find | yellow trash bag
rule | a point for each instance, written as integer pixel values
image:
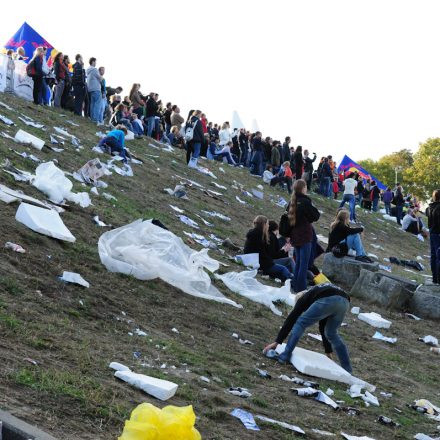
(150, 423)
(321, 279)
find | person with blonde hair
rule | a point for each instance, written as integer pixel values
(301, 215)
(258, 242)
(325, 304)
(136, 99)
(225, 135)
(433, 214)
(20, 54)
(36, 67)
(342, 233)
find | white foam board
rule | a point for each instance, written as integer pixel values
(318, 365)
(375, 320)
(44, 221)
(24, 137)
(159, 388)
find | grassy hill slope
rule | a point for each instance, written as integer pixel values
(74, 333)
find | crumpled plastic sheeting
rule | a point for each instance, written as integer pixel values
(146, 252)
(244, 283)
(51, 180)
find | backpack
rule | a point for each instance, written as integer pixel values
(189, 132)
(30, 69)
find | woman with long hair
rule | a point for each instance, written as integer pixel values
(197, 140)
(37, 76)
(301, 215)
(136, 100)
(341, 232)
(60, 71)
(298, 161)
(258, 242)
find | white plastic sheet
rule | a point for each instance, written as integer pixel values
(44, 221)
(52, 181)
(244, 283)
(249, 260)
(74, 278)
(147, 251)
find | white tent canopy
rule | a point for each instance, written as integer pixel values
(254, 126)
(236, 121)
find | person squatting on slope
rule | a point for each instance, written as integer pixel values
(342, 234)
(115, 141)
(433, 214)
(258, 242)
(326, 304)
(301, 215)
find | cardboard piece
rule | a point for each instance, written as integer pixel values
(23, 137)
(318, 365)
(44, 221)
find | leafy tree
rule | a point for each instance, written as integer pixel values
(423, 176)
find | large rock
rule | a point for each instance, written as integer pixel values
(426, 301)
(345, 271)
(385, 290)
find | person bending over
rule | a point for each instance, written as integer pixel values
(340, 232)
(326, 304)
(258, 242)
(115, 141)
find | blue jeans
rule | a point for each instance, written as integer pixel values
(95, 105)
(256, 163)
(330, 189)
(287, 262)
(359, 199)
(354, 242)
(302, 263)
(334, 309)
(399, 213)
(150, 125)
(196, 150)
(325, 186)
(279, 271)
(387, 207)
(114, 145)
(375, 204)
(227, 155)
(435, 256)
(351, 203)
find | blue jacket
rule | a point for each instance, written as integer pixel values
(38, 64)
(119, 136)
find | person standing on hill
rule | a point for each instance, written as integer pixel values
(301, 215)
(298, 162)
(60, 71)
(433, 213)
(308, 168)
(79, 84)
(375, 195)
(176, 118)
(94, 89)
(256, 168)
(198, 138)
(349, 187)
(36, 65)
(387, 199)
(286, 150)
(151, 111)
(399, 201)
(326, 178)
(275, 159)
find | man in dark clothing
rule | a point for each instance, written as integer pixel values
(286, 150)
(167, 117)
(257, 155)
(79, 84)
(243, 143)
(110, 91)
(308, 168)
(326, 304)
(151, 108)
(433, 213)
(326, 178)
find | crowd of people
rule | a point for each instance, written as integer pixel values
(286, 250)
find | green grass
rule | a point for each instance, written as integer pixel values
(11, 285)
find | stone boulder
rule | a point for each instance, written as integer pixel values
(426, 301)
(385, 290)
(345, 271)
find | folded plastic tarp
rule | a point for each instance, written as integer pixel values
(146, 251)
(318, 365)
(45, 221)
(52, 181)
(244, 283)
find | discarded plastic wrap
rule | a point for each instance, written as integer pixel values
(74, 278)
(282, 424)
(51, 181)
(249, 260)
(150, 423)
(244, 283)
(246, 418)
(22, 137)
(375, 320)
(355, 437)
(317, 395)
(44, 221)
(146, 251)
(380, 336)
(429, 340)
(318, 365)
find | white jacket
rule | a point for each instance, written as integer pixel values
(225, 136)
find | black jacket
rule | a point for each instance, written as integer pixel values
(151, 108)
(275, 250)
(167, 116)
(376, 192)
(326, 171)
(339, 233)
(303, 303)
(308, 164)
(298, 163)
(255, 245)
(398, 199)
(433, 213)
(79, 75)
(286, 152)
(257, 144)
(198, 129)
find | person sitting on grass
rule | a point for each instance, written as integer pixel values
(268, 175)
(279, 253)
(340, 232)
(413, 224)
(285, 175)
(325, 304)
(218, 153)
(258, 242)
(115, 142)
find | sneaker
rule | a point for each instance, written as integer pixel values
(364, 259)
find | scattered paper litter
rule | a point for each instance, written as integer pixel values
(14, 247)
(429, 340)
(323, 433)
(355, 437)
(421, 436)
(282, 424)
(74, 278)
(8, 121)
(380, 336)
(317, 395)
(410, 315)
(140, 332)
(246, 418)
(188, 221)
(218, 186)
(217, 214)
(175, 208)
(355, 310)
(322, 239)
(109, 196)
(240, 201)
(315, 336)
(31, 123)
(99, 222)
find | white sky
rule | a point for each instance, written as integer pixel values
(359, 77)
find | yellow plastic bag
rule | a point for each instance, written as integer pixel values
(150, 423)
(321, 279)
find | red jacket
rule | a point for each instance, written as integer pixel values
(204, 125)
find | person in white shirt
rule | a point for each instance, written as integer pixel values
(225, 134)
(267, 175)
(413, 224)
(349, 186)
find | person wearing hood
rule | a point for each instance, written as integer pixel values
(433, 214)
(258, 242)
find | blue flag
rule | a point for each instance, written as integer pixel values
(348, 165)
(29, 39)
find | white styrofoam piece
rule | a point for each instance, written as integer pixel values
(118, 367)
(355, 310)
(75, 278)
(159, 388)
(375, 320)
(355, 437)
(318, 365)
(45, 221)
(4, 197)
(24, 137)
(5, 191)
